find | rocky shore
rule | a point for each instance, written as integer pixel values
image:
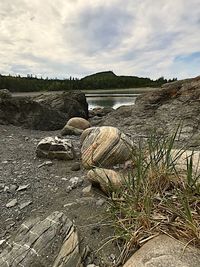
(52, 212)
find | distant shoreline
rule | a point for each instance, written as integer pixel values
(92, 92)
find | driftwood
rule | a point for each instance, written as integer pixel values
(50, 242)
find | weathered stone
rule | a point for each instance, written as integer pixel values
(11, 203)
(23, 111)
(104, 147)
(50, 242)
(107, 180)
(181, 157)
(87, 191)
(75, 166)
(72, 103)
(22, 187)
(55, 148)
(100, 202)
(75, 181)
(79, 123)
(46, 163)
(100, 111)
(163, 251)
(163, 109)
(12, 188)
(25, 204)
(69, 130)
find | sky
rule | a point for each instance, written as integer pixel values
(63, 38)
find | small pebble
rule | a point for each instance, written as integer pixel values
(12, 203)
(100, 202)
(76, 166)
(25, 204)
(23, 187)
(12, 188)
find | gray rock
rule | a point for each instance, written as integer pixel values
(11, 203)
(100, 202)
(75, 166)
(46, 163)
(22, 187)
(55, 148)
(2, 186)
(70, 130)
(75, 181)
(12, 188)
(23, 111)
(87, 191)
(163, 251)
(32, 244)
(25, 204)
(163, 109)
(72, 103)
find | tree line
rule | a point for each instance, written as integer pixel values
(103, 80)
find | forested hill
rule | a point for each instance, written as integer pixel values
(101, 80)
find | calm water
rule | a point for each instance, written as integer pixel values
(110, 100)
(104, 98)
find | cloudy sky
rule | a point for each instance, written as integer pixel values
(62, 38)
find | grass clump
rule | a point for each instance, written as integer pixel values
(157, 197)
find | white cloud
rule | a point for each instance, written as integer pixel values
(77, 37)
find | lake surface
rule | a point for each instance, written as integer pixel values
(104, 98)
(113, 101)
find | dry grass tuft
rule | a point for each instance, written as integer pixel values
(156, 199)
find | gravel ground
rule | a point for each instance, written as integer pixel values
(33, 190)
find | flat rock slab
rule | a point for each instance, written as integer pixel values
(43, 243)
(55, 148)
(163, 251)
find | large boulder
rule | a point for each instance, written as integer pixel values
(72, 103)
(105, 147)
(163, 110)
(164, 251)
(49, 242)
(55, 148)
(23, 111)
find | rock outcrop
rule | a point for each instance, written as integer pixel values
(55, 148)
(23, 111)
(44, 112)
(105, 147)
(49, 242)
(72, 103)
(163, 110)
(164, 251)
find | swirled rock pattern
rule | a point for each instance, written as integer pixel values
(105, 147)
(55, 148)
(107, 180)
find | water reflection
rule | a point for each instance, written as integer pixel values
(110, 101)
